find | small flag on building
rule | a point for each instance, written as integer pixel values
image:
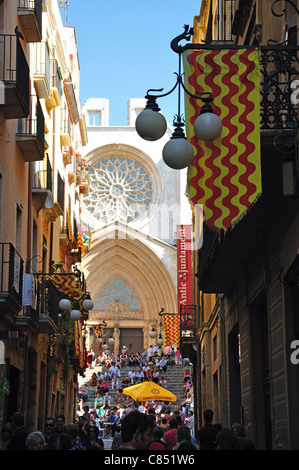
(172, 330)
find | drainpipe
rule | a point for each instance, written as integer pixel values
(223, 399)
(29, 219)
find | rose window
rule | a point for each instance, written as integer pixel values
(120, 189)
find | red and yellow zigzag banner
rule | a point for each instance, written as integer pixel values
(172, 330)
(225, 175)
(68, 285)
(98, 331)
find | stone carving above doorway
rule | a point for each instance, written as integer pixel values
(117, 299)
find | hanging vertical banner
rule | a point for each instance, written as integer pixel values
(172, 330)
(225, 175)
(77, 338)
(80, 236)
(69, 228)
(184, 266)
(68, 286)
(99, 333)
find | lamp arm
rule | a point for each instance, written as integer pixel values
(186, 35)
(148, 96)
(283, 11)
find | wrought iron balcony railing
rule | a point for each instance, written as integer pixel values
(31, 133)
(11, 277)
(41, 69)
(30, 17)
(47, 299)
(14, 76)
(279, 85)
(188, 321)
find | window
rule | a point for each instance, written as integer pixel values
(120, 189)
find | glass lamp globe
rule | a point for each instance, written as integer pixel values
(150, 125)
(111, 341)
(207, 126)
(178, 153)
(104, 347)
(65, 304)
(160, 340)
(87, 304)
(153, 333)
(75, 315)
(99, 340)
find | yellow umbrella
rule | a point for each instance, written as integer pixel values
(146, 391)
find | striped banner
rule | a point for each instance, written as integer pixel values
(77, 339)
(225, 175)
(80, 236)
(69, 228)
(68, 286)
(99, 333)
(172, 330)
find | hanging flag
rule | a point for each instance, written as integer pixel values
(5, 386)
(69, 228)
(172, 330)
(67, 285)
(225, 175)
(80, 236)
(99, 333)
(77, 339)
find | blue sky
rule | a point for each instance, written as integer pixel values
(124, 49)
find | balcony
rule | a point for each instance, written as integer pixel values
(31, 136)
(47, 305)
(65, 128)
(66, 155)
(30, 18)
(54, 100)
(82, 175)
(52, 212)
(11, 274)
(188, 330)
(83, 131)
(41, 70)
(14, 77)
(71, 99)
(40, 305)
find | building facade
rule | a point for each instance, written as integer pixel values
(246, 277)
(42, 134)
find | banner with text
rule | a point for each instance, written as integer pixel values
(184, 266)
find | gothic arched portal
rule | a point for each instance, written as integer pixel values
(130, 273)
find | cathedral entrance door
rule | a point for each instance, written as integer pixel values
(132, 338)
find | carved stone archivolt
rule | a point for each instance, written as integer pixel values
(115, 316)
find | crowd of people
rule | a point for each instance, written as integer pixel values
(137, 429)
(151, 365)
(152, 425)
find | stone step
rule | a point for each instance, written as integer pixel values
(174, 377)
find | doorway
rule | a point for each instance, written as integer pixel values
(132, 338)
(262, 374)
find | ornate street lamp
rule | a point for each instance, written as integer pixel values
(153, 333)
(75, 313)
(160, 340)
(151, 124)
(87, 303)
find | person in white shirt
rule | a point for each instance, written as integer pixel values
(132, 376)
(150, 353)
(189, 422)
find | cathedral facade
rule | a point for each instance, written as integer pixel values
(132, 209)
